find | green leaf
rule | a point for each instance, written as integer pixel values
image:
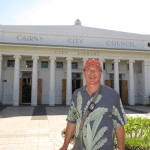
(95, 116)
(116, 113)
(137, 133)
(99, 135)
(100, 144)
(89, 136)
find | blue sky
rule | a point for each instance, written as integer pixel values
(120, 15)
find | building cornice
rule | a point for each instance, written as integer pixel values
(72, 47)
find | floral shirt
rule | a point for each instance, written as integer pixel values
(98, 128)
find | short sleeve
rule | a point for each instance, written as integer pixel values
(118, 113)
(72, 116)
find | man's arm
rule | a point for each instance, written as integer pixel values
(69, 132)
(120, 134)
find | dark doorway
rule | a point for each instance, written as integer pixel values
(76, 81)
(75, 84)
(120, 88)
(120, 83)
(26, 90)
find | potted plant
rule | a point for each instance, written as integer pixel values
(63, 132)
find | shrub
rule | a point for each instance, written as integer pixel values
(137, 134)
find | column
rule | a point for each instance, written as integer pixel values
(102, 77)
(69, 81)
(52, 81)
(16, 81)
(131, 83)
(84, 81)
(146, 81)
(34, 81)
(0, 78)
(116, 75)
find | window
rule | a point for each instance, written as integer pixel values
(103, 66)
(148, 44)
(75, 75)
(111, 76)
(29, 64)
(74, 65)
(59, 65)
(112, 84)
(112, 66)
(44, 64)
(11, 63)
(26, 74)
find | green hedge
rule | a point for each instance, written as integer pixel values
(137, 134)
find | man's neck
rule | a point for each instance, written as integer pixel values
(92, 88)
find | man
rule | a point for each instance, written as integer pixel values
(107, 116)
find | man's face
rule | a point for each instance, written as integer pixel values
(92, 74)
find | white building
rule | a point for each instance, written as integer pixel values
(44, 64)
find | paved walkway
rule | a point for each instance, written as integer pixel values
(39, 128)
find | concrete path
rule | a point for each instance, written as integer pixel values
(39, 128)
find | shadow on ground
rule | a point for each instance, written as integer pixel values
(41, 112)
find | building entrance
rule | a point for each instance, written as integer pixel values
(26, 90)
(76, 83)
(123, 87)
(26, 86)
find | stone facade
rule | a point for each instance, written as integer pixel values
(124, 57)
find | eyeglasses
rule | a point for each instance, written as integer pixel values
(90, 71)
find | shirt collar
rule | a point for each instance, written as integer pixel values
(84, 88)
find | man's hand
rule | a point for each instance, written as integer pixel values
(120, 134)
(63, 148)
(69, 132)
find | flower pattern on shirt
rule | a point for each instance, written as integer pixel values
(79, 113)
(72, 115)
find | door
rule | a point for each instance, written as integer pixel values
(124, 92)
(39, 98)
(108, 83)
(25, 91)
(20, 91)
(76, 83)
(64, 91)
(81, 82)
